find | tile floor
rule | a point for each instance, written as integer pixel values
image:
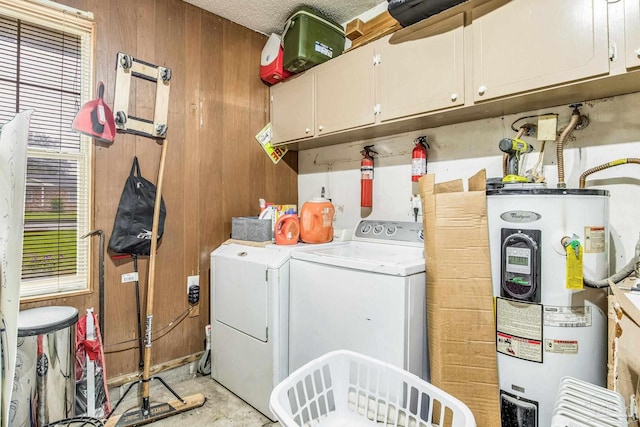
(222, 408)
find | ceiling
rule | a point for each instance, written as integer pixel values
(270, 16)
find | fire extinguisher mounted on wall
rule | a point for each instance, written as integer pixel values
(366, 177)
(419, 158)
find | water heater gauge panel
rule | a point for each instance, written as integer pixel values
(518, 260)
(520, 272)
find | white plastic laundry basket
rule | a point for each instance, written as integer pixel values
(343, 388)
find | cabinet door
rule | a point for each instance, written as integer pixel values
(345, 92)
(522, 45)
(292, 109)
(632, 32)
(421, 75)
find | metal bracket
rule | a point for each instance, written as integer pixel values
(127, 67)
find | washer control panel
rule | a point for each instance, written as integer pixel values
(401, 232)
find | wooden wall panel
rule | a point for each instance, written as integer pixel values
(215, 168)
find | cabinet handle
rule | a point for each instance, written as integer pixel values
(454, 96)
(320, 128)
(307, 130)
(482, 90)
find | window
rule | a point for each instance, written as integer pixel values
(46, 57)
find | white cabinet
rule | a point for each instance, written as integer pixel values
(344, 92)
(515, 54)
(632, 33)
(330, 97)
(421, 75)
(523, 45)
(292, 109)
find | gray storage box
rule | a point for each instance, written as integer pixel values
(251, 228)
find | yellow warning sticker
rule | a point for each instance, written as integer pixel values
(264, 138)
(574, 267)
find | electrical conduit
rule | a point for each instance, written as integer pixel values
(604, 166)
(633, 264)
(575, 120)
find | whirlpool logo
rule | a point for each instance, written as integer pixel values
(520, 216)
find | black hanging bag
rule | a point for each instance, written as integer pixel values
(134, 218)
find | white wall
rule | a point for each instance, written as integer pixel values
(460, 150)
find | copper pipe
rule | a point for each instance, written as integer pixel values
(575, 120)
(505, 157)
(604, 166)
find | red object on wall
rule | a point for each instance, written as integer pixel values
(271, 63)
(419, 158)
(366, 177)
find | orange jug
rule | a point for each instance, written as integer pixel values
(316, 221)
(287, 230)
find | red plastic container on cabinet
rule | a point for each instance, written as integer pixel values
(271, 63)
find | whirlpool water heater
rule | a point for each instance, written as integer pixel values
(545, 328)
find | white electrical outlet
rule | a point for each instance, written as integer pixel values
(192, 281)
(129, 277)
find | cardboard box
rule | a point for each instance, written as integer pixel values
(460, 315)
(624, 346)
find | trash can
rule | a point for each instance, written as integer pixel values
(44, 383)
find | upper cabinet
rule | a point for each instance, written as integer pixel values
(632, 32)
(421, 75)
(344, 92)
(524, 45)
(334, 96)
(496, 57)
(292, 109)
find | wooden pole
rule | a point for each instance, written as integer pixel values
(151, 281)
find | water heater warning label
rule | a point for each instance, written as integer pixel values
(561, 346)
(594, 240)
(521, 348)
(567, 317)
(521, 319)
(519, 329)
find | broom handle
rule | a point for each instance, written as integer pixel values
(152, 274)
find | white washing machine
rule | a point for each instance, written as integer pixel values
(250, 319)
(367, 295)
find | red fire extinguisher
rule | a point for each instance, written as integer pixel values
(366, 177)
(419, 158)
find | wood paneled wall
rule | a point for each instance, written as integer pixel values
(215, 168)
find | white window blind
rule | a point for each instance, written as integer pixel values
(46, 56)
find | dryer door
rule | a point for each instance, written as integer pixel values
(240, 294)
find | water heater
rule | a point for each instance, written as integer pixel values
(544, 330)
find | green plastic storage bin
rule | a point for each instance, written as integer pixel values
(310, 39)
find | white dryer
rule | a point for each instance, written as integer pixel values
(250, 319)
(249, 304)
(367, 295)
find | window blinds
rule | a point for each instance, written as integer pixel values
(46, 52)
